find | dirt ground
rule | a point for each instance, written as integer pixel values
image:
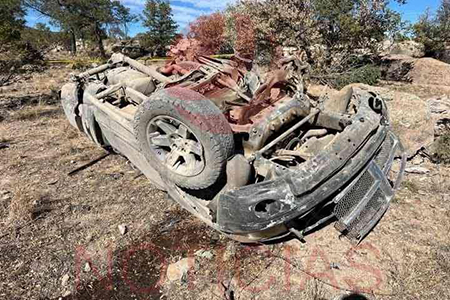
(60, 237)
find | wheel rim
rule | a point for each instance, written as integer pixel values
(176, 146)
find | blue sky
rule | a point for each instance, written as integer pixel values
(186, 11)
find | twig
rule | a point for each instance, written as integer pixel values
(89, 164)
(6, 80)
(329, 284)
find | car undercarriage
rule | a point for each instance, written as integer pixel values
(256, 159)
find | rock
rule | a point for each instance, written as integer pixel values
(57, 49)
(440, 110)
(53, 182)
(444, 55)
(423, 71)
(417, 160)
(334, 266)
(230, 252)
(5, 195)
(442, 127)
(440, 105)
(87, 267)
(410, 118)
(337, 101)
(397, 67)
(315, 91)
(65, 280)
(417, 170)
(123, 229)
(408, 48)
(67, 294)
(289, 51)
(430, 71)
(204, 254)
(386, 47)
(176, 271)
(6, 198)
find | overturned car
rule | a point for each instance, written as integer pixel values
(255, 159)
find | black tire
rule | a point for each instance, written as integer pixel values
(178, 109)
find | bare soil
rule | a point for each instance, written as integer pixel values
(59, 236)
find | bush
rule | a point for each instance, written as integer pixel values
(209, 31)
(432, 31)
(13, 57)
(355, 69)
(442, 149)
(369, 74)
(41, 37)
(339, 28)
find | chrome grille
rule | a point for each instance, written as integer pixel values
(375, 204)
(382, 158)
(351, 199)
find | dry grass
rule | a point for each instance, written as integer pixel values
(411, 186)
(314, 291)
(21, 205)
(36, 112)
(427, 274)
(422, 91)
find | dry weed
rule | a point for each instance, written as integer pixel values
(36, 112)
(315, 291)
(21, 206)
(411, 186)
(426, 277)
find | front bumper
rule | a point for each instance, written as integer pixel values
(352, 174)
(366, 199)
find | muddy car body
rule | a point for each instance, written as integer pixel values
(255, 159)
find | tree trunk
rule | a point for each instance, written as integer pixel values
(83, 40)
(73, 42)
(98, 33)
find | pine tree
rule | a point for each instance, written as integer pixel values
(12, 21)
(162, 29)
(434, 30)
(87, 17)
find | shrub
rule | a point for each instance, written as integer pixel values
(433, 31)
(369, 74)
(442, 149)
(339, 28)
(209, 31)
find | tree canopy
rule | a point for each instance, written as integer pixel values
(161, 28)
(335, 25)
(84, 17)
(434, 30)
(12, 15)
(209, 30)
